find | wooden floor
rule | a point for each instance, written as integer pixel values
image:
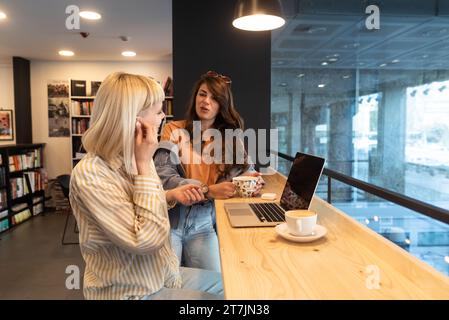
(33, 262)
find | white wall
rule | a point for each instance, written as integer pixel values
(7, 92)
(57, 155)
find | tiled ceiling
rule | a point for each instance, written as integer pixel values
(410, 31)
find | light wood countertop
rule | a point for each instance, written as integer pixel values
(258, 264)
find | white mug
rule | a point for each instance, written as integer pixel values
(245, 185)
(300, 222)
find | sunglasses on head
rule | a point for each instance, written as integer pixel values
(214, 74)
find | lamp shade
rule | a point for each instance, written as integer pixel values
(258, 15)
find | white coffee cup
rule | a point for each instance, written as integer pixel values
(300, 222)
(245, 185)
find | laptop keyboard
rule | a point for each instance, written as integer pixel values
(268, 212)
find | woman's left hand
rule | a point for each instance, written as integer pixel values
(260, 181)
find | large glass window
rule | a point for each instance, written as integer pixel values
(373, 102)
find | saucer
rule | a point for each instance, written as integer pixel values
(318, 233)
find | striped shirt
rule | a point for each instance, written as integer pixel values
(124, 230)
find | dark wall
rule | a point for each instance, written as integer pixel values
(204, 39)
(22, 100)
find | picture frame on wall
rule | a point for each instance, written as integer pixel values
(6, 125)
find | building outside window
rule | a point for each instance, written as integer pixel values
(375, 104)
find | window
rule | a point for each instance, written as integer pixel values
(374, 103)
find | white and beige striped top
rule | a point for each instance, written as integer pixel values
(124, 230)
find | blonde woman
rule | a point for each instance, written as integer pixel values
(120, 206)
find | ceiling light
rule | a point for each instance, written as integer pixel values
(300, 75)
(333, 59)
(382, 65)
(375, 218)
(66, 53)
(346, 76)
(366, 221)
(128, 54)
(90, 15)
(252, 15)
(2, 15)
(322, 85)
(324, 63)
(283, 84)
(395, 61)
(407, 241)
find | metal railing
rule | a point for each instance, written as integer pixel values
(394, 197)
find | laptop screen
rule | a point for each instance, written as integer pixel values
(302, 182)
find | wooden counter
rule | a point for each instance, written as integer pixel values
(258, 264)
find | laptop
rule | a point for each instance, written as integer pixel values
(298, 192)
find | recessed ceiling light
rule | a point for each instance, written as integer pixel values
(407, 241)
(395, 61)
(382, 65)
(425, 56)
(366, 221)
(2, 15)
(322, 85)
(346, 76)
(283, 84)
(333, 59)
(324, 63)
(66, 53)
(300, 75)
(128, 54)
(376, 218)
(90, 15)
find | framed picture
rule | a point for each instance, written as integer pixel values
(6, 128)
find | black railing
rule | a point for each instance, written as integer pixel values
(394, 197)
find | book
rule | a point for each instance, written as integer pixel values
(78, 88)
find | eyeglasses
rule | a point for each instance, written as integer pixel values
(214, 74)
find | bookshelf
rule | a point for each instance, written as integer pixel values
(167, 104)
(80, 113)
(82, 98)
(22, 182)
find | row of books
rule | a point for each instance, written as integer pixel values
(21, 216)
(3, 214)
(79, 88)
(2, 176)
(168, 87)
(36, 180)
(79, 126)
(3, 199)
(19, 187)
(168, 107)
(28, 160)
(4, 225)
(37, 209)
(81, 108)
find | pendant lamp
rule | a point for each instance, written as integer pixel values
(258, 15)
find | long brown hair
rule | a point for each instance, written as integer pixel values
(227, 117)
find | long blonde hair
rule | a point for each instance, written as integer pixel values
(112, 126)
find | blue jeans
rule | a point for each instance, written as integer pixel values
(196, 285)
(195, 241)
